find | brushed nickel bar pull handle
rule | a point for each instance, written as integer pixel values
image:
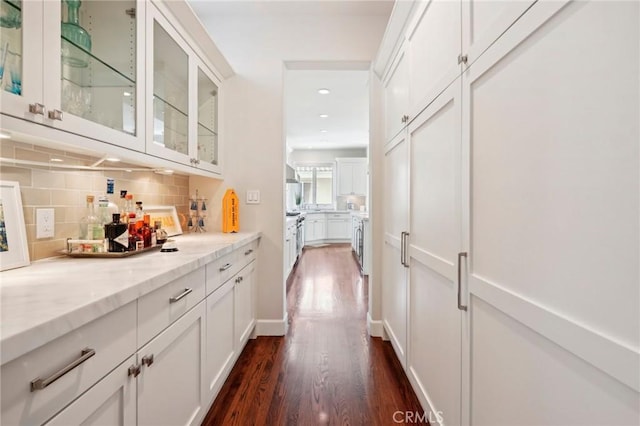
(402, 247)
(38, 383)
(460, 256)
(406, 250)
(248, 252)
(225, 267)
(181, 296)
(134, 370)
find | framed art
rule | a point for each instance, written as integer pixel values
(168, 216)
(14, 251)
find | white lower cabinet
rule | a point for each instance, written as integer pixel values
(245, 304)
(171, 388)
(31, 393)
(102, 374)
(338, 226)
(112, 401)
(220, 342)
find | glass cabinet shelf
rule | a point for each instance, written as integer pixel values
(170, 126)
(97, 91)
(207, 145)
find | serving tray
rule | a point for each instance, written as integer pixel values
(110, 254)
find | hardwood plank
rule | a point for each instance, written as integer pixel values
(327, 369)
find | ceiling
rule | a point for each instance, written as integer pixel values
(347, 106)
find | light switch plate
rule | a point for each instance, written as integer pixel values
(45, 223)
(253, 196)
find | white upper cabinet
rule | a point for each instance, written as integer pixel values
(111, 75)
(352, 176)
(167, 90)
(184, 94)
(434, 43)
(76, 66)
(396, 96)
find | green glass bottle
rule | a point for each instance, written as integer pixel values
(78, 36)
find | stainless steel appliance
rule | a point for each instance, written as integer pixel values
(360, 244)
(299, 235)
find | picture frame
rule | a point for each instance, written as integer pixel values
(14, 251)
(168, 216)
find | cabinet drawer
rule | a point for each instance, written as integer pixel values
(112, 338)
(157, 310)
(220, 270)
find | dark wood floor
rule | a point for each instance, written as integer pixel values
(326, 370)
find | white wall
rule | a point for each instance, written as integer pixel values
(257, 47)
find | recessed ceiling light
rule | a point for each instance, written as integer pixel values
(323, 131)
(5, 135)
(56, 160)
(324, 115)
(112, 159)
(324, 91)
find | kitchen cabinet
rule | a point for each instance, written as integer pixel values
(245, 304)
(290, 253)
(85, 355)
(396, 95)
(183, 97)
(395, 219)
(315, 225)
(352, 176)
(338, 226)
(170, 387)
(160, 359)
(83, 76)
(221, 348)
(112, 401)
(475, 279)
(126, 81)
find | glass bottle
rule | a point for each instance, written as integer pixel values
(117, 234)
(90, 226)
(161, 234)
(128, 210)
(146, 231)
(135, 240)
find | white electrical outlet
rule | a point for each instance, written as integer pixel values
(45, 223)
(253, 196)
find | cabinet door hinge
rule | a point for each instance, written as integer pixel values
(462, 59)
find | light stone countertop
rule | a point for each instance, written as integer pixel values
(54, 296)
(361, 215)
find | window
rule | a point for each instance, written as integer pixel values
(317, 184)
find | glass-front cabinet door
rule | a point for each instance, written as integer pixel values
(207, 146)
(168, 91)
(20, 56)
(75, 65)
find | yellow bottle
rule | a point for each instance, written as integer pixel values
(230, 212)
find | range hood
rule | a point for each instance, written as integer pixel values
(292, 177)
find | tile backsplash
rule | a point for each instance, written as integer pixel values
(66, 190)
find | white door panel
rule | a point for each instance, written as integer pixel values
(434, 45)
(435, 347)
(521, 378)
(555, 183)
(394, 301)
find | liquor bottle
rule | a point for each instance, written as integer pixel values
(146, 231)
(118, 235)
(90, 227)
(135, 240)
(161, 234)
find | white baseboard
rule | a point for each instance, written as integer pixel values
(272, 327)
(374, 327)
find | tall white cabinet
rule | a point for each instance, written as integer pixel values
(521, 299)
